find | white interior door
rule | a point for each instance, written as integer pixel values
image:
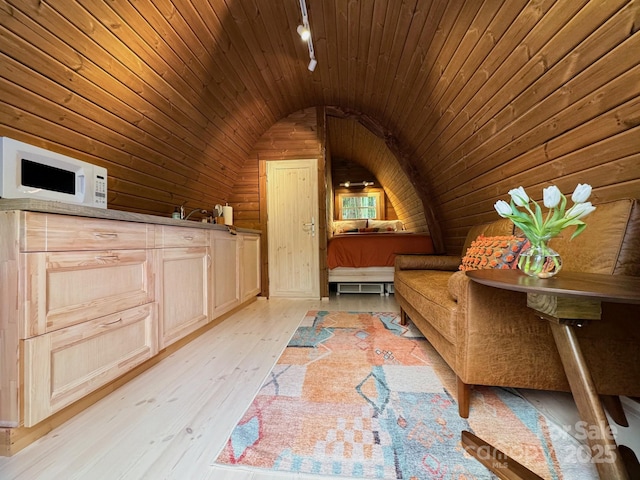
(292, 228)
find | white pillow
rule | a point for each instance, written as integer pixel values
(346, 226)
(386, 225)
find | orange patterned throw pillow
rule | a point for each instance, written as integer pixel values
(493, 252)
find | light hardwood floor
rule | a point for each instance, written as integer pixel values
(172, 420)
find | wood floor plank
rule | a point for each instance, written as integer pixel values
(171, 421)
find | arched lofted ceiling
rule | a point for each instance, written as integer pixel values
(349, 139)
(171, 95)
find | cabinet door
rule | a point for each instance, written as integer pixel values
(250, 266)
(184, 296)
(226, 287)
(63, 366)
(67, 288)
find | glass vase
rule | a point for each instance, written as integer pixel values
(540, 261)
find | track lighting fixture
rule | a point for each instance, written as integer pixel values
(349, 184)
(305, 33)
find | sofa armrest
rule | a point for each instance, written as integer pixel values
(427, 262)
(458, 287)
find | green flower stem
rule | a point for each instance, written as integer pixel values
(538, 263)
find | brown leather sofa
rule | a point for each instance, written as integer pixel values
(489, 336)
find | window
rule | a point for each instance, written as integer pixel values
(352, 205)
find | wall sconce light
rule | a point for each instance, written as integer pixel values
(305, 34)
(349, 184)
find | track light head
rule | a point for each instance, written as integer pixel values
(304, 32)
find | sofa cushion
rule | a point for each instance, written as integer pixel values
(428, 292)
(493, 252)
(599, 247)
(504, 226)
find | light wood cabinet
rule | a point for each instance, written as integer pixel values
(249, 265)
(85, 300)
(65, 365)
(236, 272)
(226, 285)
(170, 236)
(85, 313)
(184, 269)
(183, 291)
(45, 232)
(67, 288)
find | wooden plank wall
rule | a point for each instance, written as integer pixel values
(472, 98)
(531, 95)
(298, 136)
(292, 138)
(350, 139)
(85, 82)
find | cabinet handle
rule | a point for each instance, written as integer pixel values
(188, 238)
(111, 323)
(106, 235)
(108, 257)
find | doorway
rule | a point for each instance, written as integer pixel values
(292, 228)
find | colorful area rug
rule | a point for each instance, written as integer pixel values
(359, 395)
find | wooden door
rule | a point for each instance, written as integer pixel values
(292, 223)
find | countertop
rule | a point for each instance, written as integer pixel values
(32, 205)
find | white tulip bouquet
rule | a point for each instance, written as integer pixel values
(539, 228)
(531, 221)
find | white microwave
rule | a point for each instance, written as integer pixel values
(27, 171)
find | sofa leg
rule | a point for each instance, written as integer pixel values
(613, 406)
(403, 317)
(464, 396)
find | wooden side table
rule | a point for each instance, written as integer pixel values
(568, 300)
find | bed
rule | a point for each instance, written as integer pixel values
(364, 254)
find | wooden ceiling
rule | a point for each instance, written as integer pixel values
(472, 97)
(351, 140)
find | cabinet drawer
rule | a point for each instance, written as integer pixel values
(64, 366)
(48, 232)
(66, 288)
(170, 236)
